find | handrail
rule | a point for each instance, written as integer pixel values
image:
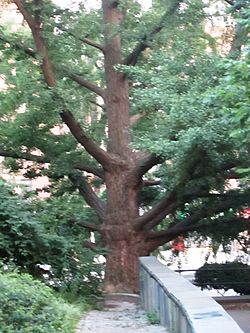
(179, 305)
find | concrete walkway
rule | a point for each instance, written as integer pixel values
(125, 318)
(242, 318)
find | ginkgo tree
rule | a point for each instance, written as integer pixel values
(123, 95)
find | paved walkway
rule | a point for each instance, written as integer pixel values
(242, 318)
(127, 318)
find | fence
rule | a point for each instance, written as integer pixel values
(179, 305)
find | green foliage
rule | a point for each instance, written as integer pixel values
(232, 95)
(36, 234)
(28, 306)
(231, 275)
(153, 318)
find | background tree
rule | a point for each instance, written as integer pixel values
(123, 94)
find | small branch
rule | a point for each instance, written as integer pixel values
(85, 40)
(86, 84)
(149, 182)
(148, 37)
(230, 2)
(92, 43)
(136, 117)
(99, 172)
(88, 194)
(89, 226)
(237, 4)
(91, 147)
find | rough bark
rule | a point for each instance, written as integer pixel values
(122, 266)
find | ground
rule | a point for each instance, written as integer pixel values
(127, 318)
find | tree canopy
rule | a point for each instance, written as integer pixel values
(136, 100)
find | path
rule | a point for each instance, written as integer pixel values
(127, 318)
(242, 317)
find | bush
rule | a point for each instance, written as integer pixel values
(34, 233)
(28, 306)
(231, 275)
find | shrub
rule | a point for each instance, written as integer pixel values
(28, 306)
(34, 233)
(231, 275)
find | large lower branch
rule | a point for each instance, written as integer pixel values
(223, 203)
(88, 194)
(157, 213)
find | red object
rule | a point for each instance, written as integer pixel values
(178, 244)
(245, 213)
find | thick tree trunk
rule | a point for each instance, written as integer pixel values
(123, 184)
(122, 266)
(123, 243)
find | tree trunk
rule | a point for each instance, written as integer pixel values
(123, 243)
(122, 266)
(123, 184)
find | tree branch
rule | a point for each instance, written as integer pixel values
(35, 28)
(24, 156)
(89, 245)
(85, 40)
(236, 4)
(147, 163)
(157, 213)
(26, 15)
(136, 117)
(44, 159)
(239, 39)
(18, 46)
(190, 223)
(89, 226)
(148, 37)
(151, 182)
(86, 84)
(89, 195)
(91, 147)
(99, 172)
(92, 43)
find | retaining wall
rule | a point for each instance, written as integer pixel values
(178, 304)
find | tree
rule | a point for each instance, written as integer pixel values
(121, 94)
